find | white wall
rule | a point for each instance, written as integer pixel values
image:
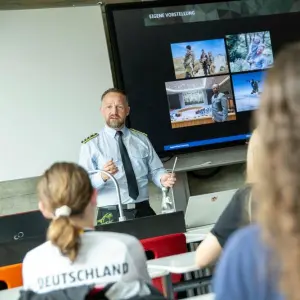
(54, 66)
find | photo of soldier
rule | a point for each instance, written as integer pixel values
(250, 51)
(189, 62)
(204, 62)
(201, 58)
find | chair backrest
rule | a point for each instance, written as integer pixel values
(12, 275)
(163, 246)
(166, 245)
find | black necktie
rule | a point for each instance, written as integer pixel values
(131, 179)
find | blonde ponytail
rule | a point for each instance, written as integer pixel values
(63, 234)
(65, 190)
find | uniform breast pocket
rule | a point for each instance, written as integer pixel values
(139, 160)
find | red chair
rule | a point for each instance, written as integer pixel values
(94, 292)
(11, 275)
(163, 246)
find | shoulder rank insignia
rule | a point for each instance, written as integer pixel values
(89, 138)
(134, 130)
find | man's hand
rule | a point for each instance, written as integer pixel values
(109, 167)
(168, 179)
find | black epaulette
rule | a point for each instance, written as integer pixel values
(89, 138)
(134, 130)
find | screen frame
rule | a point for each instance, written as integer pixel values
(117, 69)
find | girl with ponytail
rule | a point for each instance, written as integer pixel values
(75, 254)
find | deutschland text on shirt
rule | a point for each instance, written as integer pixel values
(82, 275)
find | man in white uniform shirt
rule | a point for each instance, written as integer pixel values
(126, 154)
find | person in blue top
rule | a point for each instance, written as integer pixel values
(128, 155)
(262, 261)
(242, 272)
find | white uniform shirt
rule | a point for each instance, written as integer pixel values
(104, 257)
(97, 151)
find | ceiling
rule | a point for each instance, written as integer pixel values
(30, 4)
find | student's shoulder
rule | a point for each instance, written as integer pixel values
(124, 242)
(248, 236)
(119, 237)
(242, 194)
(121, 242)
(37, 253)
(237, 203)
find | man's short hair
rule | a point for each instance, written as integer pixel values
(114, 90)
(215, 85)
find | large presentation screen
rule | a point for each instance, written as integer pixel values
(194, 73)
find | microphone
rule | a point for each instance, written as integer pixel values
(121, 212)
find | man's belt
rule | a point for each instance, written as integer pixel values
(128, 206)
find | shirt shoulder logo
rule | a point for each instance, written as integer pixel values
(134, 130)
(89, 138)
